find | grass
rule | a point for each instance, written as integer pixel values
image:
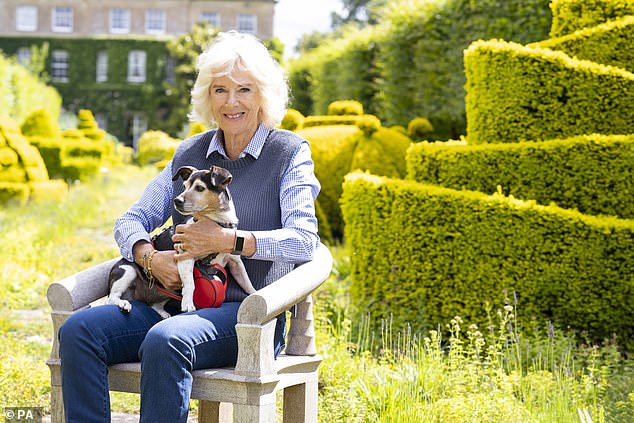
(456, 373)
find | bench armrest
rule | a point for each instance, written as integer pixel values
(79, 290)
(274, 299)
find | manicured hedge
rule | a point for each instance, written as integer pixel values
(609, 44)
(337, 150)
(422, 254)
(572, 15)
(517, 93)
(591, 173)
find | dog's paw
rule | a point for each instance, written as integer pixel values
(124, 306)
(187, 306)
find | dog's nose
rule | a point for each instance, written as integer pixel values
(178, 202)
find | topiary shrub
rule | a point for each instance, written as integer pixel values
(345, 107)
(154, 147)
(22, 170)
(40, 123)
(418, 128)
(88, 125)
(293, 120)
(339, 149)
(196, 128)
(369, 124)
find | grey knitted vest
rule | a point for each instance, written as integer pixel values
(255, 189)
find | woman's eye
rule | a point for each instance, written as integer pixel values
(219, 90)
(245, 90)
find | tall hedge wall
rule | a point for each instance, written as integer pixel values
(116, 97)
(590, 173)
(436, 253)
(609, 44)
(517, 93)
(416, 54)
(572, 15)
(22, 92)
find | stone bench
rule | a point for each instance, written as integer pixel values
(246, 393)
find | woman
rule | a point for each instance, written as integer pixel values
(241, 90)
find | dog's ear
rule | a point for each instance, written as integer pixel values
(220, 177)
(184, 172)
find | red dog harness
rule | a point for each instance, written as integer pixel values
(209, 288)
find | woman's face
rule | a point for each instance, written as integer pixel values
(236, 104)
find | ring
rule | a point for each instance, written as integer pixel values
(179, 247)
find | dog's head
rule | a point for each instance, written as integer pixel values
(205, 191)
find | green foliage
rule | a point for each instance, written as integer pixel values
(22, 93)
(114, 98)
(88, 126)
(337, 150)
(437, 253)
(587, 173)
(345, 107)
(572, 15)
(341, 67)
(517, 93)
(196, 128)
(608, 44)
(418, 128)
(155, 146)
(40, 123)
(369, 124)
(329, 120)
(293, 120)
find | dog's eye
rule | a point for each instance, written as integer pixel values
(199, 188)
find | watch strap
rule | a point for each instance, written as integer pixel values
(238, 244)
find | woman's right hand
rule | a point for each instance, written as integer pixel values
(163, 264)
(164, 269)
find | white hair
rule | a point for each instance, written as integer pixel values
(233, 52)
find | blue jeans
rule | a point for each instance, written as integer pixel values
(169, 350)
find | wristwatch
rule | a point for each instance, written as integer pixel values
(238, 243)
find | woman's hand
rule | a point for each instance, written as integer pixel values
(202, 238)
(164, 269)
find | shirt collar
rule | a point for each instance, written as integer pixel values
(254, 148)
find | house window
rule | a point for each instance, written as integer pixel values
(155, 21)
(26, 18)
(247, 23)
(102, 66)
(137, 125)
(102, 120)
(119, 21)
(62, 19)
(136, 66)
(24, 55)
(211, 17)
(170, 70)
(59, 66)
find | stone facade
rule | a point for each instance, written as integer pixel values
(76, 18)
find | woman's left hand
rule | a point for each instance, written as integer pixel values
(200, 239)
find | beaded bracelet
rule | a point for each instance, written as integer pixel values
(147, 265)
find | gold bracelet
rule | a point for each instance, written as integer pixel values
(147, 264)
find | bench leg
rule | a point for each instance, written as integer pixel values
(261, 412)
(214, 412)
(57, 405)
(300, 403)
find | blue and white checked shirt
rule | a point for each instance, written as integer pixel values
(295, 242)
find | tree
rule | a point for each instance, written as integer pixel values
(361, 12)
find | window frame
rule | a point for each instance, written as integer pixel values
(154, 16)
(137, 62)
(101, 66)
(26, 13)
(59, 65)
(245, 20)
(207, 17)
(62, 19)
(124, 18)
